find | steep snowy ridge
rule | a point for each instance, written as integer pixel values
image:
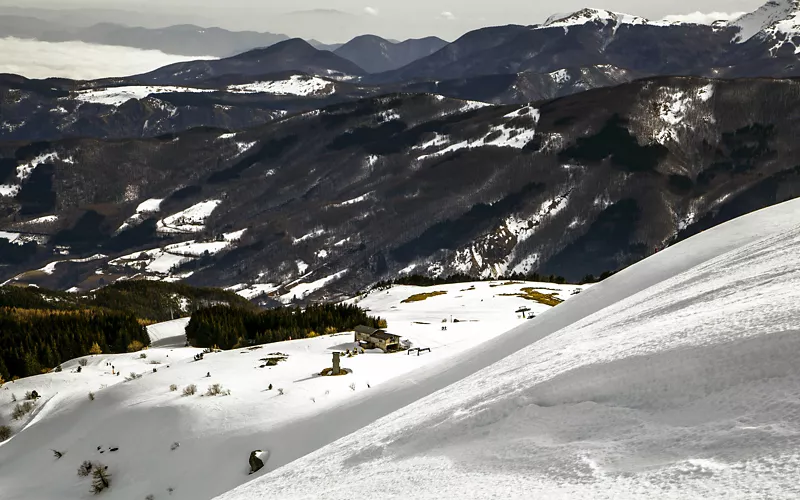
(676, 378)
(777, 19)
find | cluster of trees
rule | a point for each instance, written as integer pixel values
(232, 327)
(34, 340)
(148, 300)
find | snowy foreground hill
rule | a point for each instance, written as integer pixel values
(143, 418)
(677, 378)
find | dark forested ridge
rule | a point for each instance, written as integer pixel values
(150, 301)
(230, 327)
(33, 340)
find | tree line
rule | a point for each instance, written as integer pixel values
(233, 327)
(37, 340)
(421, 280)
(148, 300)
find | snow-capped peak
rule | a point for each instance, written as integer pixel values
(586, 16)
(776, 17)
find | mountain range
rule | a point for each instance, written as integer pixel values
(566, 148)
(363, 190)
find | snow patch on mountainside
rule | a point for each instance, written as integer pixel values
(492, 254)
(191, 220)
(26, 169)
(298, 85)
(773, 18)
(313, 234)
(506, 135)
(117, 96)
(676, 107)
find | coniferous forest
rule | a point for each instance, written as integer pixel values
(39, 328)
(34, 340)
(229, 327)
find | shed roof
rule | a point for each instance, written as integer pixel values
(380, 334)
(365, 329)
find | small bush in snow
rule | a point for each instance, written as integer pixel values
(190, 390)
(31, 395)
(170, 490)
(353, 387)
(85, 469)
(5, 432)
(20, 410)
(173, 388)
(143, 356)
(101, 479)
(57, 369)
(83, 362)
(215, 390)
(280, 392)
(174, 446)
(132, 376)
(150, 497)
(57, 454)
(154, 362)
(135, 346)
(91, 396)
(13, 398)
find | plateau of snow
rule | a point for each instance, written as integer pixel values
(675, 378)
(299, 85)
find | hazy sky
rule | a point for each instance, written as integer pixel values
(391, 18)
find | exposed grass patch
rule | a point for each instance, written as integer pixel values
(419, 297)
(529, 293)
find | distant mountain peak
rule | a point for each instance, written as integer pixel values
(585, 16)
(779, 19)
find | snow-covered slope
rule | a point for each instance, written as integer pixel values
(584, 16)
(676, 378)
(215, 434)
(777, 20)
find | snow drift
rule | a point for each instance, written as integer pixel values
(676, 378)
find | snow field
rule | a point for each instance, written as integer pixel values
(217, 433)
(676, 378)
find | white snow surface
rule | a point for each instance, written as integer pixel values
(585, 16)
(117, 96)
(676, 378)
(504, 135)
(191, 220)
(773, 18)
(47, 219)
(299, 85)
(143, 418)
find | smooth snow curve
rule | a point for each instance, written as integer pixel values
(676, 378)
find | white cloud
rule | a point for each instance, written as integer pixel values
(372, 11)
(703, 17)
(79, 60)
(448, 15)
